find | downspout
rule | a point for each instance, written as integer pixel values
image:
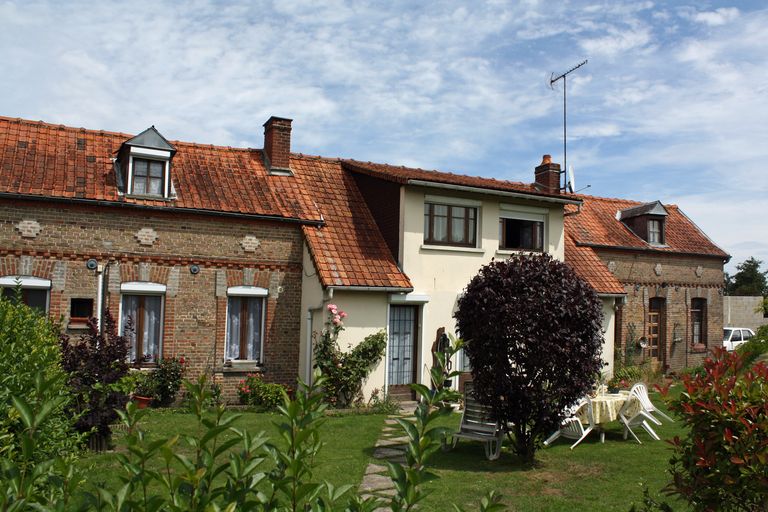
(99, 295)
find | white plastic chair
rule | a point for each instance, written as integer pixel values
(571, 427)
(641, 393)
(640, 417)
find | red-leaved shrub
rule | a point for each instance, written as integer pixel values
(722, 464)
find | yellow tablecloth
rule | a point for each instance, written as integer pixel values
(605, 408)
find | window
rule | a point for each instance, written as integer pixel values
(746, 335)
(80, 310)
(521, 234)
(450, 225)
(148, 177)
(34, 291)
(698, 321)
(655, 231)
(142, 323)
(245, 327)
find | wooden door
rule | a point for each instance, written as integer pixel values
(656, 329)
(402, 351)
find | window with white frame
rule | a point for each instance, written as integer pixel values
(33, 291)
(522, 230)
(245, 323)
(656, 231)
(141, 321)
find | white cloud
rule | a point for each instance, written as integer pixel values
(717, 17)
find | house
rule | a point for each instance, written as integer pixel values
(230, 256)
(440, 228)
(670, 271)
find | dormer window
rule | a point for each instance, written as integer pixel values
(646, 221)
(655, 232)
(144, 166)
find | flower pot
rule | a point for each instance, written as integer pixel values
(142, 402)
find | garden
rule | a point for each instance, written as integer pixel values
(71, 439)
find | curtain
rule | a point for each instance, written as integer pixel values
(151, 334)
(233, 329)
(128, 323)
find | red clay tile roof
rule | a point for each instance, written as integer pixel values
(589, 267)
(41, 159)
(596, 225)
(403, 175)
(349, 249)
(44, 160)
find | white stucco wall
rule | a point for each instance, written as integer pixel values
(609, 325)
(443, 272)
(367, 314)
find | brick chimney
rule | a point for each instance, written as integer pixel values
(548, 176)
(277, 145)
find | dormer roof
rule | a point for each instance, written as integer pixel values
(151, 139)
(653, 208)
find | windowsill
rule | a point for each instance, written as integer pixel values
(242, 366)
(509, 252)
(657, 245)
(77, 326)
(150, 197)
(452, 248)
(698, 348)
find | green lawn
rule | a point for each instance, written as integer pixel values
(594, 476)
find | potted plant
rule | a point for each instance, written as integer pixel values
(143, 388)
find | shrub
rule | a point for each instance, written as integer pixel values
(28, 348)
(167, 380)
(345, 371)
(722, 464)
(264, 395)
(531, 329)
(383, 403)
(753, 349)
(96, 363)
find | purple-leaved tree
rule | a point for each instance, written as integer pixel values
(532, 331)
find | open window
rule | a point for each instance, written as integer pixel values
(246, 307)
(522, 230)
(33, 291)
(144, 166)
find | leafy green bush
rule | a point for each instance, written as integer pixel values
(264, 395)
(167, 380)
(630, 374)
(229, 463)
(96, 363)
(29, 347)
(753, 349)
(346, 371)
(383, 403)
(762, 332)
(722, 464)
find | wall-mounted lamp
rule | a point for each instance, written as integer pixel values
(91, 264)
(194, 269)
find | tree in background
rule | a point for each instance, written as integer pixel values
(532, 331)
(749, 280)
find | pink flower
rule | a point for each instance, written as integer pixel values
(342, 314)
(332, 308)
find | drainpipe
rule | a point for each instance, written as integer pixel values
(99, 294)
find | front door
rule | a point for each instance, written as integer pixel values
(403, 343)
(656, 329)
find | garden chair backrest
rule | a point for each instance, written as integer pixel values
(641, 393)
(477, 417)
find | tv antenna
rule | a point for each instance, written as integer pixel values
(552, 80)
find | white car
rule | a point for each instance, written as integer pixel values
(735, 336)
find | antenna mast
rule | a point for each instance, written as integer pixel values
(552, 81)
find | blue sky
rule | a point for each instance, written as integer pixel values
(673, 104)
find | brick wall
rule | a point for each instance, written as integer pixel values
(160, 247)
(677, 280)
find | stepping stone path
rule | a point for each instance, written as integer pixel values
(390, 447)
